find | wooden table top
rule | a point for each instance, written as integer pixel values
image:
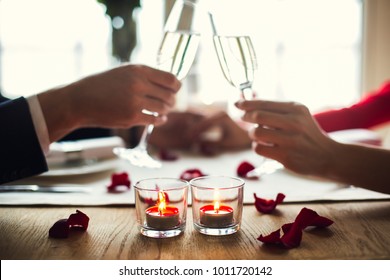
(361, 230)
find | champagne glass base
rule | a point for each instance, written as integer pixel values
(268, 166)
(138, 157)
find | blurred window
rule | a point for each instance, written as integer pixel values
(308, 50)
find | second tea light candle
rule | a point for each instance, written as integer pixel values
(217, 204)
(216, 216)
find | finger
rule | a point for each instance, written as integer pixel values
(161, 94)
(163, 79)
(156, 106)
(277, 137)
(270, 106)
(265, 136)
(270, 119)
(267, 151)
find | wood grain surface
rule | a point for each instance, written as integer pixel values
(361, 230)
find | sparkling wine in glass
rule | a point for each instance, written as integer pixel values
(176, 54)
(237, 59)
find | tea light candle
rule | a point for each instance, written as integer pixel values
(161, 216)
(216, 216)
(161, 220)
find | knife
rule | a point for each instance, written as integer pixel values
(43, 188)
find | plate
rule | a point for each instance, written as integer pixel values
(81, 168)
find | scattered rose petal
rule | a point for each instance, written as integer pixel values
(78, 220)
(244, 168)
(190, 174)
(290, 234)
(119, 180)
(167, 155)
(268, 205)
(308, 217)
(60, 229)
(273, 237)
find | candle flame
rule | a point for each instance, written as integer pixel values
(216, 206)
(161, 202)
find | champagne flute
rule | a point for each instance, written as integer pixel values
(176, 54)
(238, 62)
(237, 59)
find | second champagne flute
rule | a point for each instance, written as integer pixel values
(237, 59)
(238, 62)
(176, 54)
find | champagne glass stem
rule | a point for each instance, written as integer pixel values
(247, 93)
(143, 142)
(268, 166)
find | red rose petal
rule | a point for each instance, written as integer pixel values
(167, 155)
(292, 232)
(292, 235)
(273, 237)
(286, 227)
(268, 205)
(308, 217)
(321, 222)
(243, 169)
(78, 220)
(60, 229)
(190, 174)
(119, 180)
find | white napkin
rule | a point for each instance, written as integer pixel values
(83, 150)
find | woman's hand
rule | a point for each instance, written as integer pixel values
(286, 132)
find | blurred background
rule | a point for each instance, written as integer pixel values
(323, 53)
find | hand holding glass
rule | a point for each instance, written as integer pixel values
(237, 59)
(176, 54)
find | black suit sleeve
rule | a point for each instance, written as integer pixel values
(20, 151)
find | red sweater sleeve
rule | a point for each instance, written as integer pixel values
(372, 110)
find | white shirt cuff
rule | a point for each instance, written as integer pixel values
(39, 122)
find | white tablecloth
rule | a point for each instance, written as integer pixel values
(296, 188)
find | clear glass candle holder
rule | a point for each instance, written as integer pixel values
(161, 206)
(217, 204)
